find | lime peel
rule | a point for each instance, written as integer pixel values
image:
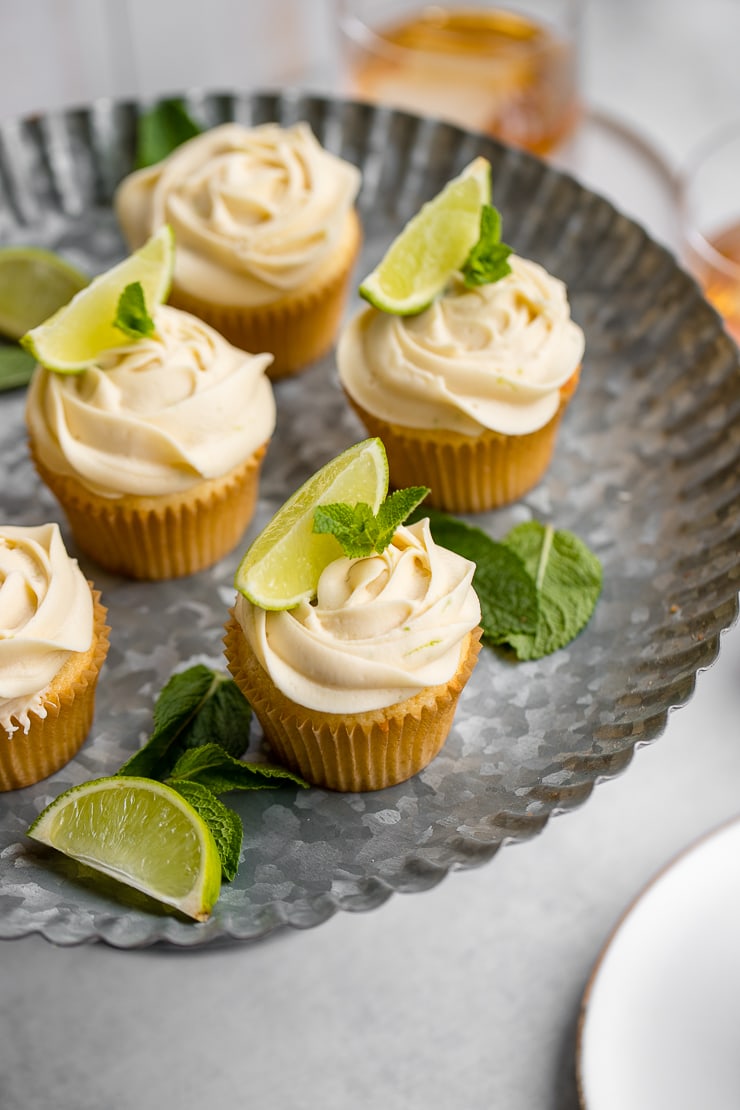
(432, 246)
(283, 565)
(78, 333)
(140, 832)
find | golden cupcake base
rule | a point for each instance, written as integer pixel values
(467, 474)
(350, 752)
(69, 702)
(160, 537)
(299, 327)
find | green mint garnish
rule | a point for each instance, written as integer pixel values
(201, 725)
(132, 317)
(212, 766)
(537, 588)
(16, 366)
(195, 698)
(568, 577)
(359, 530)
(487, 260)
(161, 130)
(224, 823)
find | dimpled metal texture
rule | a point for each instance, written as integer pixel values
(645, 471)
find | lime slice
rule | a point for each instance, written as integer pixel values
(433, 244)
(283, 565)
(72, 339)
(33, 284)
(141, 832)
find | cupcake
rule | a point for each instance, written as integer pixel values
(53, 641)
(155, 451)
(266, 234)
(356, 690)
(468, 395)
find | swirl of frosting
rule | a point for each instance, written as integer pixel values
(46, 612)
(155, 416)
(255, 211)
(383, 627)
(493, 357)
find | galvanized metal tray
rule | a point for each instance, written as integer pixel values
(646, 471)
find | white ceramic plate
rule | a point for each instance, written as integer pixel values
(660, 1025)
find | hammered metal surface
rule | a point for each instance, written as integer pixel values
(646, 471)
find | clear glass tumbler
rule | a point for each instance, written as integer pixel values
(509, 68)
(709, 192)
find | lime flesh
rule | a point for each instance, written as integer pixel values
(283, 565)
(34, 283)
(140, 832)
(432, 246)
(74, 337)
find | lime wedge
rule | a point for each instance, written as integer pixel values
(33, 284)
(283, 565)
(433, 244)
(72, 339)
(140, 832)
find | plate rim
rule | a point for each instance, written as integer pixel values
(695, 845)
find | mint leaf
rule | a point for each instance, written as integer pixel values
(223, 719)
(195, 707)
(506, 591)
(361, 532)
(353, 526)
(568, 577)
(132, 317)
(394, 511)
(16, 366)
(215, 769)
(487, 260)
(224, 823)
(161, 130)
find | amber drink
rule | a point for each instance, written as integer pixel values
(710, 204)
(509, 72)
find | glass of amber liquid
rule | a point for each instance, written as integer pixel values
(709, 188)
(509, 68)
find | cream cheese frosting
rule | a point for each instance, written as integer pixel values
(493, 357)
(46, 612)
(382, 628)
(256, 211)
(155, 416)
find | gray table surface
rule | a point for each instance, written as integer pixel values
(469, 994)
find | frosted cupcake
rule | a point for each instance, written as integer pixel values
(468, 395)
(266, 235)
(53, 641)
(357, 690)
(155, 451)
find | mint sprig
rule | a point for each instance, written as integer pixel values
(201, 724)
(487, 260)
(538, 587)
(161, 130)
(132, 317)
(362, 532)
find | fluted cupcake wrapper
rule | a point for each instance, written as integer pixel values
(467, 474)
(160, 537)
(352, 752)
(69, 702)
(297, 329)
